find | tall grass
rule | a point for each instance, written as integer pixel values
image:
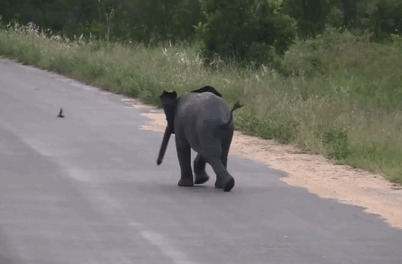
(338, 95)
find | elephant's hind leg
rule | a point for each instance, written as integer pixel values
(225, 150)
(184, 155)
(223, 179)
(199, 170)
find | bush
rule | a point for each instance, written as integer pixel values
(336, 141)
(386, 19)
(310, 15)
(245, 30)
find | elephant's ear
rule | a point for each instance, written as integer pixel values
(208, 89)
(169, 102)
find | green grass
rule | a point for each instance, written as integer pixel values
(338, 95)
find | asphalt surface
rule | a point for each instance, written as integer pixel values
(86, 189)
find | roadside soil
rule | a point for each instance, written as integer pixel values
(313, 172)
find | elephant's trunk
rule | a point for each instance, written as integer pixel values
(164, 145)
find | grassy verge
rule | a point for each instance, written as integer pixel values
(341, 97)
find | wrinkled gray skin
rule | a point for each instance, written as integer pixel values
(203, 122)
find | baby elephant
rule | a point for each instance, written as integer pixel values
(202, 121)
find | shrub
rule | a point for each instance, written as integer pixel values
(336, 141)
(245, 30)
(386, 19)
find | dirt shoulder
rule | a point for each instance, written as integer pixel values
(315, 173)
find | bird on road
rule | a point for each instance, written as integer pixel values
(61, 113)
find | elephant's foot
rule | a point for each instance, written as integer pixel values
(186, 182)
(226, 184)
(218, 184)
(201, 178)
(199, 170)
(229, 183)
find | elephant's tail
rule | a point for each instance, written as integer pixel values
(237, 105)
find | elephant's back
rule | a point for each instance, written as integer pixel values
(204, 107)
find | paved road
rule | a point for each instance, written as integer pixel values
(85, 189)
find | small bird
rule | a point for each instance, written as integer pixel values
(61, 113)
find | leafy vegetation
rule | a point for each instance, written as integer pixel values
(251, 31)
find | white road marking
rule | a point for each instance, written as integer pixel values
(164, 245)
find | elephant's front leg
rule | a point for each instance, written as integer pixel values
(184, 155)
